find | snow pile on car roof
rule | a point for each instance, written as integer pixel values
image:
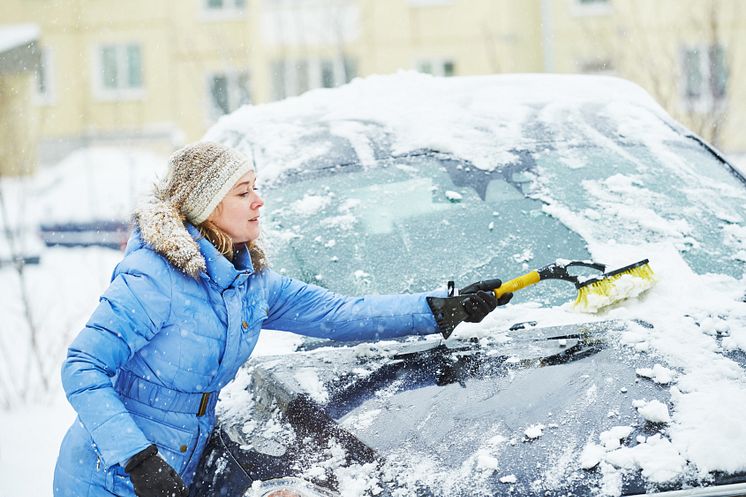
(479, 118)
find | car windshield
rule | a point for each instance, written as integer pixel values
(410, 223)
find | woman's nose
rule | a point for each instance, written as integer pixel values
(258, 202)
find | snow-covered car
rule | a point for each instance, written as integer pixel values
(400, 183)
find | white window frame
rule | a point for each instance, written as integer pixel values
(46, 61)
(233, 77)
(100, 90)
(229, 10)
(596, 8)
(315, 74)
(438, 65)
(706, 101)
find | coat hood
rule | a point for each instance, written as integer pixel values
(162, 227)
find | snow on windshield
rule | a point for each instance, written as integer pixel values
(697, 320)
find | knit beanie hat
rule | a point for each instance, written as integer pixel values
(199, 176)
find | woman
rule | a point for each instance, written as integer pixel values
(182, 314)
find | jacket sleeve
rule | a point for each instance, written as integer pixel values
(314, 311)
(129, 314)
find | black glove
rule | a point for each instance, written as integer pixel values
(153, 477)
(472, 304)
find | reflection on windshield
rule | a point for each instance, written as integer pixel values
(412, 224)
(649, 194)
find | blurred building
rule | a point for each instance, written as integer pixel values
(158, 72)
(18, 62)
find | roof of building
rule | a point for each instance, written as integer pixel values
(17, 35)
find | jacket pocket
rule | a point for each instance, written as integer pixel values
(118, 482)
(175, 445)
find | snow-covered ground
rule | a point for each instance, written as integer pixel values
(64, 289)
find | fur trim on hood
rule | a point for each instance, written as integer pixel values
(162, 227)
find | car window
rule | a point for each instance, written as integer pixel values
(674, 193)
(413, 223)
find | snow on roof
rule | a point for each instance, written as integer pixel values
(478, 118)
(17, 35)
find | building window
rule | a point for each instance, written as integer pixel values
(120, 72)
(718, 71)
(333, 24)
(293, 77)
(704, 74)
(220, 9)
(227, 91)
(437, 67)
(225, 4)
(596, 66)
(692, 69)
(349, 70)
(328, 78)
(44, 90)
(278, 74)
(591, 7)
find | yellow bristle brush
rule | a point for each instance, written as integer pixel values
(595, 292)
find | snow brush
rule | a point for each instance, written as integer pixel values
(593, 292)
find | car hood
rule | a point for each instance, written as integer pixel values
(530, 411)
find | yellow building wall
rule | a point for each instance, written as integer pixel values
(480, 36)
(17, 126)
(202, 45)
(181, 45)
(643, 42)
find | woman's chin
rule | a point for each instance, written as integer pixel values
(253, 235)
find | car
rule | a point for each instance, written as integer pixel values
(403, 182)
(19, 246)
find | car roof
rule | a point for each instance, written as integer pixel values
(480, 119)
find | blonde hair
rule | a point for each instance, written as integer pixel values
(224, 244)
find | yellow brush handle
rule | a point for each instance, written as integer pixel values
(517, 283)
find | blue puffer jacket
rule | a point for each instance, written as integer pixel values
(161, 345)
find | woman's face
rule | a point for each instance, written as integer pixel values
(238, 213)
